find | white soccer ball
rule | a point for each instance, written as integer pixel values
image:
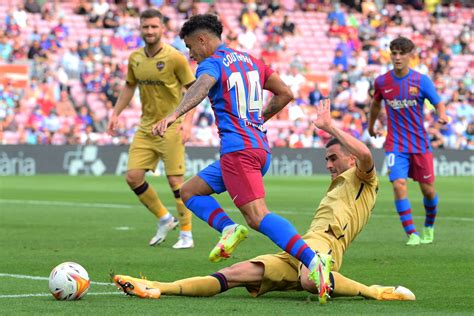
(69, 281)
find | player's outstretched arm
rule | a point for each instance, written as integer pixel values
(282, 95)
(123, 101)
(196, 93)
(353, 145)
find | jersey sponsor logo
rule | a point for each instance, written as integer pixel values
(260, 127)
(235, 57)
(413, 91)
(160, 65)
(151, 83)
(401, 104)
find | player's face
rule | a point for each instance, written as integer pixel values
(400, 59)
(197, 45)
(151, 30)
(337, 160)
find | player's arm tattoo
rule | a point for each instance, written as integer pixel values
(276, 104)
(195, 94)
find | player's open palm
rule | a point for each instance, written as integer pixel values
(323, 115)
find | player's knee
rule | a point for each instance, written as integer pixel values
(186, 192)
(428, 192)
(399, 184)
(133, 179)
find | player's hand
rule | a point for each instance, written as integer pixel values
(160, 128)
(323, 115)
(443, 119)
(185, 131)
(113, 122)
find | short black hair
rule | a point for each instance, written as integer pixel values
(403, 44)
(335, 141)
(151, 13)
(209, 22)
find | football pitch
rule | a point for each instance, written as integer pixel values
(98, 223)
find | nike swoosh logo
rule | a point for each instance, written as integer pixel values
(426, 177)
(389, 90)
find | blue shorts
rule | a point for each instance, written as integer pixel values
(418, 166)
(212, 174)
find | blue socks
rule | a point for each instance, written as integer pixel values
(404, 211)
(206, 208)
(282, 233)
(431, 208)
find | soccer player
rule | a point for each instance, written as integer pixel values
(407, 146)
(234, 82)
(160, 72)
(341, 215)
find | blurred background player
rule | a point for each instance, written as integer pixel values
(234, 82)
(340, 217)
(407, 146)
(160, 72)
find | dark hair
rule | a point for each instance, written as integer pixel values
(151, 13)
(333, 141)
(208, 22)
(403, 44)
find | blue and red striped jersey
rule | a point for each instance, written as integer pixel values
(237, 98)
(404, 102)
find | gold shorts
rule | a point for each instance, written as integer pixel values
(282, 271)
(147, 150)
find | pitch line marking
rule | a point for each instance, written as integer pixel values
(45, 295)
(31, 277)
(126, 206)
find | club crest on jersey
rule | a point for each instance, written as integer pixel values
(160, 65)
(413, 91)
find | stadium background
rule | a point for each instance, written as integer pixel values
(62, 64)
(55, 92)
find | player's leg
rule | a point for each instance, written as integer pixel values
(425, 176)
(196, 196)
(142, 157)
(172, 149)
(243, 176)
(240, 274)
(343, 286)
(185, 239)
(399, 165)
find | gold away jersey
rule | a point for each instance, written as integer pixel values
(347, 206)
(160, 81)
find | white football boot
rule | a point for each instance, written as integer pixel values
(163, 230)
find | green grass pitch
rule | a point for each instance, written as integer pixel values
(98, 222)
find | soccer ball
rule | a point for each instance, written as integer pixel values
(69, 281)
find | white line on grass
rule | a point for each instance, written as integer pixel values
(45, 294)
(31, 277)
(65, 203)
(103, 205)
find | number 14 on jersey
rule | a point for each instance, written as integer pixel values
(250, 99)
